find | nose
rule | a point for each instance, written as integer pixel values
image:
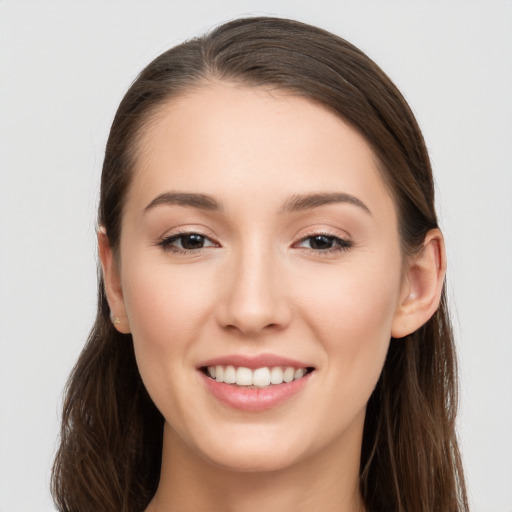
(253, 300)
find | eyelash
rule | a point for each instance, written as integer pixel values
(166, 243)
(339, 244)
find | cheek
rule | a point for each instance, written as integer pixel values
(166, 306)
(352, 315)
(360, 297)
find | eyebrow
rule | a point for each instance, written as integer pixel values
(300, 202)
(296, 203)
(201, 201)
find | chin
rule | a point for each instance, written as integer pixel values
(251, 450)
(263, 460)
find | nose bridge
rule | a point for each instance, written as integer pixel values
(254, 299)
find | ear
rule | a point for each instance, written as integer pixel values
(112, 283)
(422, 286)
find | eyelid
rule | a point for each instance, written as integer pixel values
(342, 241)
(165, 241)
(319, 230)
(188, 229)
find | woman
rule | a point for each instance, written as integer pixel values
(272, 328)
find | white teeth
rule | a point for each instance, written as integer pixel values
(230, 375)
(289, 374)
(244, 376)
(276, 375)
(260, 377)
(299, 373)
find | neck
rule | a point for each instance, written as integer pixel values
(327, 482)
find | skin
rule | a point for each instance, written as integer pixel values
(259, 286)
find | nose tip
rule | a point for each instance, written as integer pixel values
(250, 324)
(254, 302)
(250, 320)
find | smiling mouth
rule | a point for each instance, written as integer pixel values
(255, 378)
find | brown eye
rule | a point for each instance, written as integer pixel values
(321, 242)
(192, 241)
(185, 242)
(324, 243)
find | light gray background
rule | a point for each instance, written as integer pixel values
(64, 67)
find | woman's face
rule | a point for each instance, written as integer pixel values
(258, 234)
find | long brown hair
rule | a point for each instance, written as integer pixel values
(111, 438)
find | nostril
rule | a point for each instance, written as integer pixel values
(252, 304)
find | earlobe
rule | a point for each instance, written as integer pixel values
(422, 286)
(112, 283)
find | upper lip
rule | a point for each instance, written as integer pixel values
(253, 362)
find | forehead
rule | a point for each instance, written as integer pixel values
(225, 139)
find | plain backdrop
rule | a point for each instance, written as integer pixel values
(64, 66)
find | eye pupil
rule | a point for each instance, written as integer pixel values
(320, 242)
(192, 241)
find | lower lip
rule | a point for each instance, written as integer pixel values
(254, 399)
